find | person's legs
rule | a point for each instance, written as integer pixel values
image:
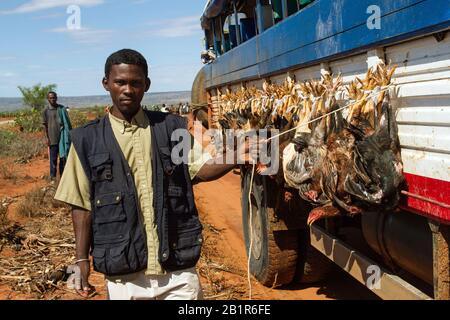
(62, 164)
(132, 287)
(53, 160)
(179, 285)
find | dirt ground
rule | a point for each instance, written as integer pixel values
(219, 206)
(223, 265)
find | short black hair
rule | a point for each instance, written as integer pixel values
(52, 92)
(127, 56)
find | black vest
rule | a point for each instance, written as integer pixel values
(119, 243)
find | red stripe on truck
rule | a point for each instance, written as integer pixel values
(428, 188)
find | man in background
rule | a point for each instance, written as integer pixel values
(57, 127)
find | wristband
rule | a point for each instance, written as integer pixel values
(81, 260)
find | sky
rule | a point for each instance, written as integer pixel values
(66, 42)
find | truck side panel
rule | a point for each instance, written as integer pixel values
(423, 79)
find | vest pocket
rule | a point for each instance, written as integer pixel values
(114, 255)
(177, 200)
(98, 255)
(185, 251)
(109, 208)
(117, 262)
(101, 167)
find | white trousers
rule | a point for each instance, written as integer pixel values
(178, 285)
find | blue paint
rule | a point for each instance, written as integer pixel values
(325, 30)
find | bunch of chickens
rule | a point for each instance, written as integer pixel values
(342, 156)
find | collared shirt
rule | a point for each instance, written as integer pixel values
(135, 142)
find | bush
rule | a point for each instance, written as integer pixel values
(29, 120)
(8, 173)
(36, 96)
(8, 114)
(33, 203)
(96, 111)
(39, 202)
(20, 145)
(3, 214)
(6, 139)
(27, 148)
(77, 118)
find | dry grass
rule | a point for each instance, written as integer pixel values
(8, 173)
(39, 264)
(8, 232)
(22, 146)
(44, 246)
(39, 202)
(27, 147)
(3, 214)
(212, 269)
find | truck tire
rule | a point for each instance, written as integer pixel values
(273, 257)
(312, 266)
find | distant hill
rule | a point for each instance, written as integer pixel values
(11, 104)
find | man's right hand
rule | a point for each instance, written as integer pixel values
(82, 226)
(84, 288)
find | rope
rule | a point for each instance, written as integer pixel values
(251, 232)
(325, 115)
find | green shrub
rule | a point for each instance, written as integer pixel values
(6, 139)
(8, 114)
(26, 148)
(20, 145)
(97, 111)
(77, 118)
(36, 96)
(29, 120)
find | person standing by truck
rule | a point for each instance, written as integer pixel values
(133, 209)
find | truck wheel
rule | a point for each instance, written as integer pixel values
(312, 265)
(273, 256)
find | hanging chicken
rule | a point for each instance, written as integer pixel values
(344, 159)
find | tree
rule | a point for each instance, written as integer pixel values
(36, 96)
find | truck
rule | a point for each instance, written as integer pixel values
(248, 42)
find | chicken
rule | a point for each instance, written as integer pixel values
(377, 166)
(327, 211)
(341, 165)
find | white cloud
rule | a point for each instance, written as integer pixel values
(48, 16)
(86, 35)
(7, 74)
(172, 28)
(38, 5)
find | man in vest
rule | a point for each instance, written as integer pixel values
(133, 208)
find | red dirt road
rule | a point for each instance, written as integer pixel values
(219, 205)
